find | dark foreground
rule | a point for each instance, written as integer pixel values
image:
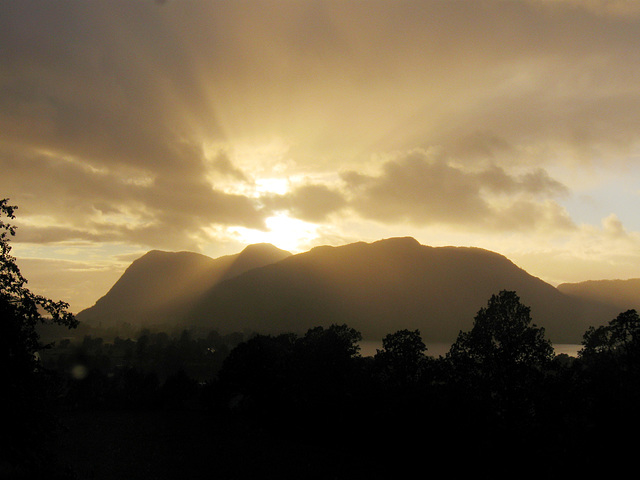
(101, 445)
(106, 445)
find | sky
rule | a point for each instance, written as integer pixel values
(133, 125)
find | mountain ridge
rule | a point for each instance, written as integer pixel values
(376, 288)
(621, 294)
(161, 284)
(390, 284)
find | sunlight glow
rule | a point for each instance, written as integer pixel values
(283, 232)
(279, 186)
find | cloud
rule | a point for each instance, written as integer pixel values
(128, 84)
(310, 202)
(613, 227)
(428, 188)
(221, 164)
(79, 283)
(600, 7)
(64, 199)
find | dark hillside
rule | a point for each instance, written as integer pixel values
(159, 286)
(384, 286)
(621, 294)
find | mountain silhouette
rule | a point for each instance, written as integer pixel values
(377, 288)
(381, 287)
(158, 287)
(623, 295)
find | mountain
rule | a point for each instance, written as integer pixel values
(621, 294)
(381, 287)
(158, 287)
(377, 288)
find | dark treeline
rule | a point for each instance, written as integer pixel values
(499, 401)
(150, 370)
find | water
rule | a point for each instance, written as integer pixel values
(368, 348)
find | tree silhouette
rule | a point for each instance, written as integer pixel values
(621, 337)
(258, 368)
(610, 386)
(499, 366)
(503, 338)
(27, 385)
(402, 356)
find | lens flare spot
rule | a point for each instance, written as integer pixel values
(79, 372)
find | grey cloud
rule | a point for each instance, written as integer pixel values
(55, 234)
(600, 7)
(311, 202)
(428, 189)
(537, 182)
(81, 203)
(103, 81)
(222, 164)
(116, 81)
(417, 190)
(526, 215)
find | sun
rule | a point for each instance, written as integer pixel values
(282, 231)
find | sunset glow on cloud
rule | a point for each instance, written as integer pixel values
(205, 126)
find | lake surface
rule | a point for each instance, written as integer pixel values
(368, 348)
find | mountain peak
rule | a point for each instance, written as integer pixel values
(398, 242)
(254, 256)
(159, 285)
(263, 248)
(375, 288)
(380, 287)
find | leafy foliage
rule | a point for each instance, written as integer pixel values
(620, 337)
(28, 386)
(503, 336)
(402, 356)
(22, 309)
(611, 379)
(499, 367)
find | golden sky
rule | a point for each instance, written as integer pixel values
(127, 126)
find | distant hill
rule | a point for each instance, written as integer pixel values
(160, 286)
(381, 287)
(623, 295)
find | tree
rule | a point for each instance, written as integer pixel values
(621, 338)
(26, 383)
(336, 344)
(611, 376)
(402, 356)
(258, 367)
(503, 337)
(323, 360)
(21, 309)
(501, 361)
